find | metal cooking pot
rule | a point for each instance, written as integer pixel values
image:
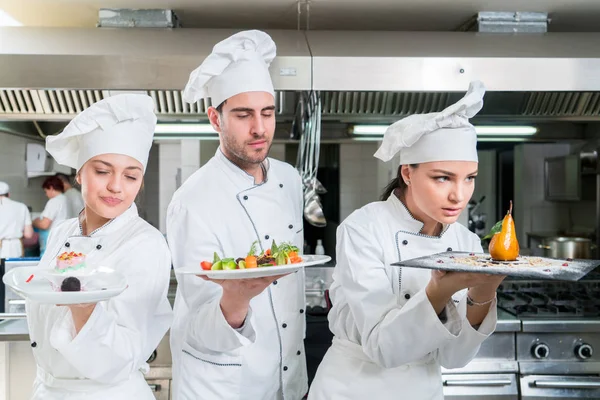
(567, 247)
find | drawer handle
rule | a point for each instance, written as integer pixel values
(154, 387)
(13, 315)
(16, 302)
(542, 246)
(567, 384)
(477, 382)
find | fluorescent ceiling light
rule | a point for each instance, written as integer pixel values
(369, 129)
(7, 20)
(502, 139)
(377, 130)
(505, 130)
(183, 129)
(182, 137)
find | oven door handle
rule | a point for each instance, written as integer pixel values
(154, 387)
(13, 316)
(477, 382)
(574, 384)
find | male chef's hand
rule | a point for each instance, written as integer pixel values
(237, 294)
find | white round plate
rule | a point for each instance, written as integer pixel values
(101, 285)
(309, 260)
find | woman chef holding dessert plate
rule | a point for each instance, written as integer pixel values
(99, 351)
(395, 327)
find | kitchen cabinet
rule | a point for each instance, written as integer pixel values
(20, 370)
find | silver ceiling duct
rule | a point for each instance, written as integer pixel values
(53, 73)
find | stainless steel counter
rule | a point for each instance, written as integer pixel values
(13, 330)
(507, 322)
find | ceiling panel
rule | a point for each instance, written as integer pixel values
(442, 15)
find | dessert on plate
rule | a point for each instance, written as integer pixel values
(70, 261)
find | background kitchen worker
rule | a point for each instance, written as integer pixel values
(15, 224)
(56, 210)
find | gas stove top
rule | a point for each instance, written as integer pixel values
(551, 299)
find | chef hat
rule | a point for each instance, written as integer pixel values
(4, 188)
(444, 136)
(236, 65)
(121, 124)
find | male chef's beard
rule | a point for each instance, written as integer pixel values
(242, 154)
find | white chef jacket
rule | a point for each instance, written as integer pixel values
(56, 209)
(74, 202)
(14, 217)
(220, 208)
(389, 342)
(106, 360)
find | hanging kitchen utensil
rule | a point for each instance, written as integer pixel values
(307, 161)
(313, 211)
(319, 188)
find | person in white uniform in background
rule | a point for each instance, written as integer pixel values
(394, 327)
(99, 351)
(15, 224)
(74, 199)
(237, 339)
(57, 207)
(55, 211)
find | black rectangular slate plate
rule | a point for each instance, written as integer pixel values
(524, 267)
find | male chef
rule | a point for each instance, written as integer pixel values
(237, 339)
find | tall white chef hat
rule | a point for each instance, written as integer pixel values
(444, 136)
(121, 124)
(236, 65)
(4, 188)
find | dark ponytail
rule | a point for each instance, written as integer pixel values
(396, 183)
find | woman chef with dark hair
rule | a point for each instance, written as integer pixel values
(395, 327)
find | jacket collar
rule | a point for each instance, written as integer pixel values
(239, 176)
(414, 225)
(113, 225)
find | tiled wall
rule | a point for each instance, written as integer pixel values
(532, 212)
(359, 171)
(177, 162)
(485, 185)
(148, 199)
(13, 172)
(190, 157)
(169, 161)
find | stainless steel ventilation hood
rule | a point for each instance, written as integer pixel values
(130, 59)
(380, 76)
(448, 61)
(53, 73)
